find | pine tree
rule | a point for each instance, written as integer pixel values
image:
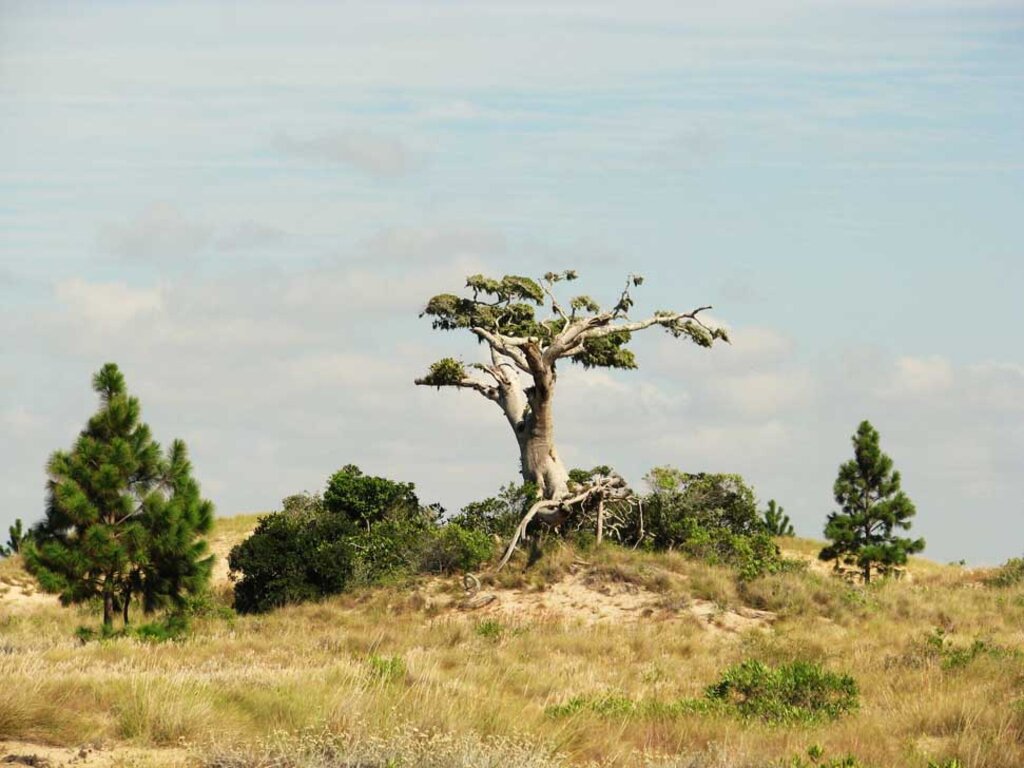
(121, 520)
(15, 539)
(776, 521)
(872, 507)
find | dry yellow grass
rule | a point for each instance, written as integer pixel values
(380, 674)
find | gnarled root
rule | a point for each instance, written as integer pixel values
(556, 511)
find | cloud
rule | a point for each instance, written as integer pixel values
(249, 235)
(160, 232)
(106, 306)
(423, 244)
(377, 155)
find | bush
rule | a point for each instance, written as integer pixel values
(454, 548)
(364, 530)
(712, 517)
(1009, 574)
(498, 515)
(799, 692)
(291, 558)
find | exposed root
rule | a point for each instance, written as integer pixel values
(557, 511)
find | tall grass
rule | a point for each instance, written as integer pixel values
(377, 675)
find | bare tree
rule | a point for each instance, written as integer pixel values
(519, 374)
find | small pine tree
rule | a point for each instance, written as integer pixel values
(872, 507)
(15, 539)
(776, 521)
(121, 520)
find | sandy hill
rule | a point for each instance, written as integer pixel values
(440, 672)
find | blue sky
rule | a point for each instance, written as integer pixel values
(247, 205)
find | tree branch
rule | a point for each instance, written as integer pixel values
(491, 393)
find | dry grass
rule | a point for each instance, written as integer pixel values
(391, 674)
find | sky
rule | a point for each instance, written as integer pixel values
(247, 205)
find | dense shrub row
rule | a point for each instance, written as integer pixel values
(367, 529)
(363, 530)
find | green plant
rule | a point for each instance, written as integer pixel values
(16, 538)
(498, 515)
(776, 521)
(291, 558)
(872, 507)
(454, 548)
(491, 629)
(122, 519)
(798, 692)
(1009, 574)
(387, 668)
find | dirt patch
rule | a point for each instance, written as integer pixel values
(20, 753)
(581, 597)
(20, 593)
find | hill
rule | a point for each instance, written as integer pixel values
(576, 660)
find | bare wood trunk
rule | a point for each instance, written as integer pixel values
(108, 609)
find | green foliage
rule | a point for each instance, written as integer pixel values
(1009, 574)
(799, 692)
(445, 372)
(872, 508)
(122, 520)
(490, 629)
(301, 553)
(498, 515)
(16, 537)
(365, 530)
(365, 499)
(509, 305)
(776, 521)
(454, 548)
(174, 626)
(938, 648)
(387, 669)
(712, 517)
(816, 759)
(618, 706)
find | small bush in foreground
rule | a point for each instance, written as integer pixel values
(790, 693)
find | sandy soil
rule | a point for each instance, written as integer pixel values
(20, 753)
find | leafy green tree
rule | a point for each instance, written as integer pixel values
(15, 539)
(527, 329)
(872, 509)
(365, 499)
(121, 519)
(776, 521)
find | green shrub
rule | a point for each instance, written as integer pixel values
(387, 669)
(364, 530)
(491, 629)
(712, 517)
(290, 558)
(454, 548)
(1009, 574)
(799, 692)
(498, 515)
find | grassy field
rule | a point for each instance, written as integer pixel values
(405, 674)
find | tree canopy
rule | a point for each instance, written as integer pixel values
(122, 519)
(872, 508)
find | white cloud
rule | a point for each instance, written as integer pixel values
(374, 154)
(107, 306)
(916, 376)
(161, 232)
